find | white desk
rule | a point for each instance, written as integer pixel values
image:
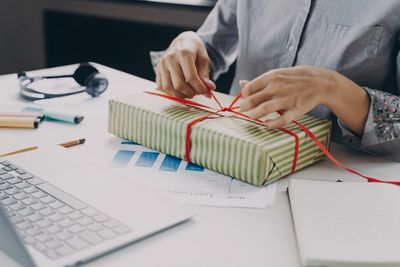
(216, 236)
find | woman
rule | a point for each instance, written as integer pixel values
(329, 58)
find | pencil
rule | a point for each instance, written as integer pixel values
(19, 151)
(73, 143)
(22, 114)
(19, 122)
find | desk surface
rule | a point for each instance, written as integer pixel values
(216, 236)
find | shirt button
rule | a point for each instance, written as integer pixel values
(291, 48)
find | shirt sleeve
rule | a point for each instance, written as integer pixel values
(382, 129)
(219, 33)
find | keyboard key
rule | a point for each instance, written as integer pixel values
(22, 185)
(34, 231)
(65, 223)
(75, 228)
(47, 199)
(20, 196)
(20, 171)
(29, 201)
(34, 217)
(106, 234)
(7, 169)
(39, 194)
(25, 212)
(6, 163)
(64, 250)
(2, 172)
(65, 210)
(30, 189)
(111, 223)
(7, 201)
(17, 206)
(56, 217)
(43, 237)
(38, 206)
(77, 243)
(14, 180)
(52, 229)
(44, 223)
(35, 181)
(16, 219)
(25, 176)
(54, 243)
(100, 218)
(5, 186)
(13, 191)
(122, 229)
(6, 176)
(84, 221)
(13, 167)
(94, 227)
(64, 235)
(24, 225)
(46, 211)
(56, 205)
(90, 237)
(90, 212)
(75, 215)
(3, 195)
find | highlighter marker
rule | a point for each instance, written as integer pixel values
(50, 114)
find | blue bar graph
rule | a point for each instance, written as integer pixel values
(147, 159)
(194, 167)
(122, 158)
(126, 142)
(170, 164)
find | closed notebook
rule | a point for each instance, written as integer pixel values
(346, 224)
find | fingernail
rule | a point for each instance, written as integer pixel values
(243, 83)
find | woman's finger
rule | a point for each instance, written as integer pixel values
(267, 108)
(258, 98)
(283, 120)
(166, 82)
(178, 81)
(191, 75)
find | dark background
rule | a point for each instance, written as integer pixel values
(123, 45)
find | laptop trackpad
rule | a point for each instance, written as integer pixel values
(115, 196)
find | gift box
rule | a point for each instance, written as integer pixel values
(217, 136)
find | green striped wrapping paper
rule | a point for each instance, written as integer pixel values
(223, 143)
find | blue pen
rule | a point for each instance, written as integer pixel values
(54, 114)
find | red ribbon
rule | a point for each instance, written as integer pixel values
(231, 109)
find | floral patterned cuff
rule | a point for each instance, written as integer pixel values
(385, 115)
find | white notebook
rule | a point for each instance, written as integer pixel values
(346, 224)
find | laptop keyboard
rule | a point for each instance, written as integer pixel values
(50, 220)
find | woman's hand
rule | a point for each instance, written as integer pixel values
(297, 90)
(183, 71)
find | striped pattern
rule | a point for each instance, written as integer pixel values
(226, 144)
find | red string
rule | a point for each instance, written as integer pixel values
(231, 109)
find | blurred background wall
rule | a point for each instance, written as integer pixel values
(36, 34)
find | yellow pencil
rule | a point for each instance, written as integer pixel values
(19, 151)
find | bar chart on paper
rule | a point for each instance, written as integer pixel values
(185, 181)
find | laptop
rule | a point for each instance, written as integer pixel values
(71, 216)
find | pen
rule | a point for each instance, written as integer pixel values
(19, 122)
(73, 143)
